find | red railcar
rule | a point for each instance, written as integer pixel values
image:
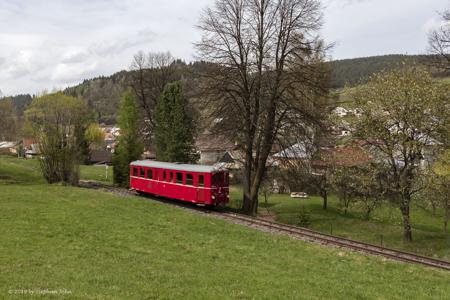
(206, 185)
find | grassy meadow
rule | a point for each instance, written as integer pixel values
(384, 227)
(95, 245)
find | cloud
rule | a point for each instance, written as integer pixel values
(366, 28)
(55, 43)
(122, 43)
(2, 61)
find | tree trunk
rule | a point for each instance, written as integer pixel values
(446, 218)
(325, 200)
(407, 233)
(250, 204)
(368, 212)
(247, 205)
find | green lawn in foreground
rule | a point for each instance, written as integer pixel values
(428, 235)
(100, 246)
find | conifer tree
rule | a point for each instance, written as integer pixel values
(174, 132)
(130, 146)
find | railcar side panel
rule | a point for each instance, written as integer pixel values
(208, 188)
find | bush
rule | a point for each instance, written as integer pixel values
(304, 217)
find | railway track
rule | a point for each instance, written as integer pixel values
(293, 231)
(325, 239)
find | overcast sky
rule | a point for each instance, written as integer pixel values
(50, 44)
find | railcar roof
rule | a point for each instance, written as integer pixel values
(176, 166)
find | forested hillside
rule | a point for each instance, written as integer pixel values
(357, 70)
(103, 93)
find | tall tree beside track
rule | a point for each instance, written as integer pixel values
(266, 55)
(58, 123)
(174, 128)
(130, 146)
(403, 112)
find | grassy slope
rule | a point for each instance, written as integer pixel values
(428, 235)
(102, 246)
(97, 173)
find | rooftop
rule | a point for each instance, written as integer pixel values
(176, 166)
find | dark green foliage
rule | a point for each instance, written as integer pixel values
(174, 130)
(8, 120)
(21, 102)
(130, 145)
(102, 95)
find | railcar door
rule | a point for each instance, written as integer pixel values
(200, 186)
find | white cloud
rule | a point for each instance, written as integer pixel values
(55, 43)
(369, 27)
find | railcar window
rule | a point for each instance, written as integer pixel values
(135, 172)
(201, 180)
(180, 178)
(142, 172)
(150, 174)
(171, 177)
(164, 178)
(189, 179)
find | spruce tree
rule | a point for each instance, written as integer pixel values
(174, 132)
(130, 146)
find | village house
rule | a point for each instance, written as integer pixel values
(212, 148)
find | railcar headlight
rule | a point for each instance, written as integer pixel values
(213, 197)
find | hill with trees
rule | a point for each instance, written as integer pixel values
(103, 93)
(357, 70)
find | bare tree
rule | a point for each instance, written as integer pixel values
(150, 74)
(266, 55)
(439, 42)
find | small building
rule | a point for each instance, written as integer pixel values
(33, 151)
(100, 157)
(232, 160)
(292, 154)
(9, 147)
(212, 148)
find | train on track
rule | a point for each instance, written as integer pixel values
(202, 185)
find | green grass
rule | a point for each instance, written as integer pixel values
(14, 170)
(385, 224)
(19, 171)
(97, 173)
(100, 246)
